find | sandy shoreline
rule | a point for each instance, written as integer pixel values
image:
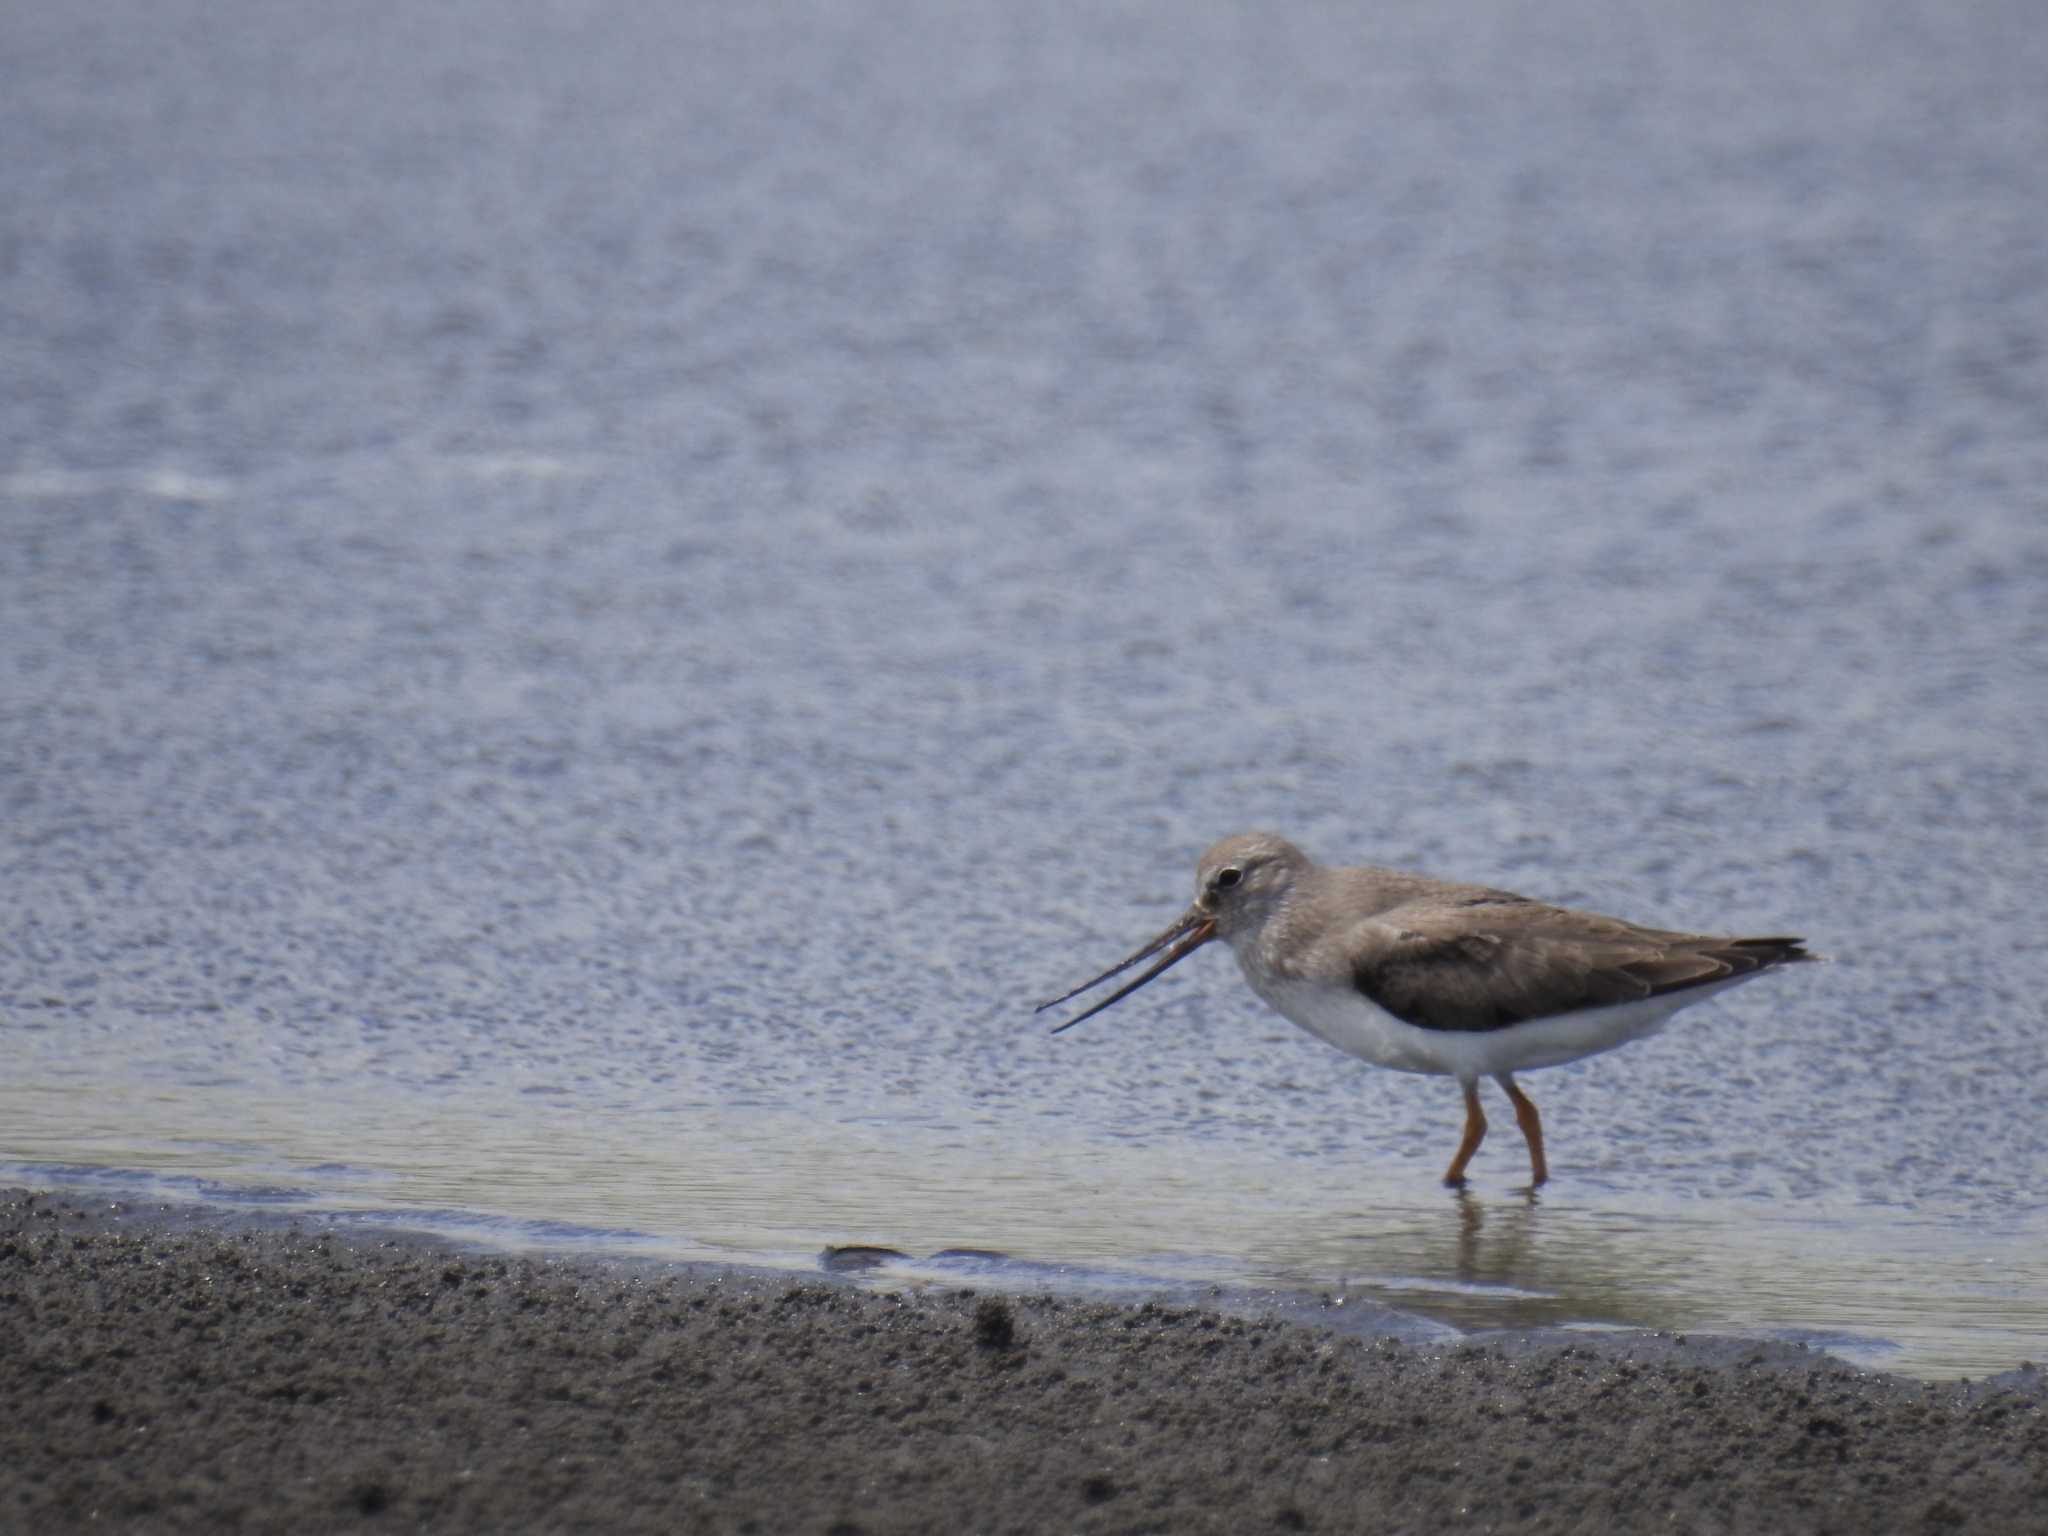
(162, 1374)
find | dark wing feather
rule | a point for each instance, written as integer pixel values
(1487, 965)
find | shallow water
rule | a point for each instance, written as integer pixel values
(581, 642)
(1932, 1292)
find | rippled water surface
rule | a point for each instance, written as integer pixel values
(594, 604)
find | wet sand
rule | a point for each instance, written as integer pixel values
(166, 1370)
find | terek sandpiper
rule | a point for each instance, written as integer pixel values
(1427, 975)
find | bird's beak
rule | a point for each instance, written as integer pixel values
(1195, 929)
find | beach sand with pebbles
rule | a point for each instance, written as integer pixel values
(167, 1370)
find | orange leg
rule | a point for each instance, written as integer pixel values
(1532, 1128)
(1475, 1133)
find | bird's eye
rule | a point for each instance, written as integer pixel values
(1226, 878)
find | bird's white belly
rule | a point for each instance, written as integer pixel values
(1353, 1023)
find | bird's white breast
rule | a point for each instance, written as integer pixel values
(1352, 1022)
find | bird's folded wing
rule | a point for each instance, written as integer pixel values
(1487, 964)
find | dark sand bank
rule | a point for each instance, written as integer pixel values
(158, 1373)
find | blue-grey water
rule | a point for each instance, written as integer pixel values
(596, 599)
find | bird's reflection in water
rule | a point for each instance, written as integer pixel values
(1507, 1256)
(1476, 1262)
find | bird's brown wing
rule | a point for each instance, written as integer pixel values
(1491, 961)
